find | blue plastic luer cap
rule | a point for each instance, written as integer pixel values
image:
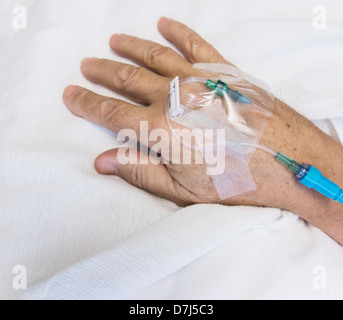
(314, 179)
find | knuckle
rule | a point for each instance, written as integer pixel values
(82, 99)
(137, 176)
(125, 76)
(155, 53)
(193, 44)
(108, 110)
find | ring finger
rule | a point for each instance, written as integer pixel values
(160, 59)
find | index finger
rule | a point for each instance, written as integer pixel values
(194, 47)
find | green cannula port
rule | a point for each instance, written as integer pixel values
(220, 87)
(289, 163)
(211, 84)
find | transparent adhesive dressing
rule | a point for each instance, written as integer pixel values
(229, 111)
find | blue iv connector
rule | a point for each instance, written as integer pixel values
(311, 177)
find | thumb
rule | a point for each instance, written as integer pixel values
(145, 174)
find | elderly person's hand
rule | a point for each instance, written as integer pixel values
(189, 184)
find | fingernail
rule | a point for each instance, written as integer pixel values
(108, 167)
(165, 20)
(71, 91)
(115, 39)
(87, 62)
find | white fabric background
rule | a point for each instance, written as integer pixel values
(56, 210)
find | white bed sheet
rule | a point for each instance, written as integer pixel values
(55, 210)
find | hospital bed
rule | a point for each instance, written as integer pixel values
(77, 235)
